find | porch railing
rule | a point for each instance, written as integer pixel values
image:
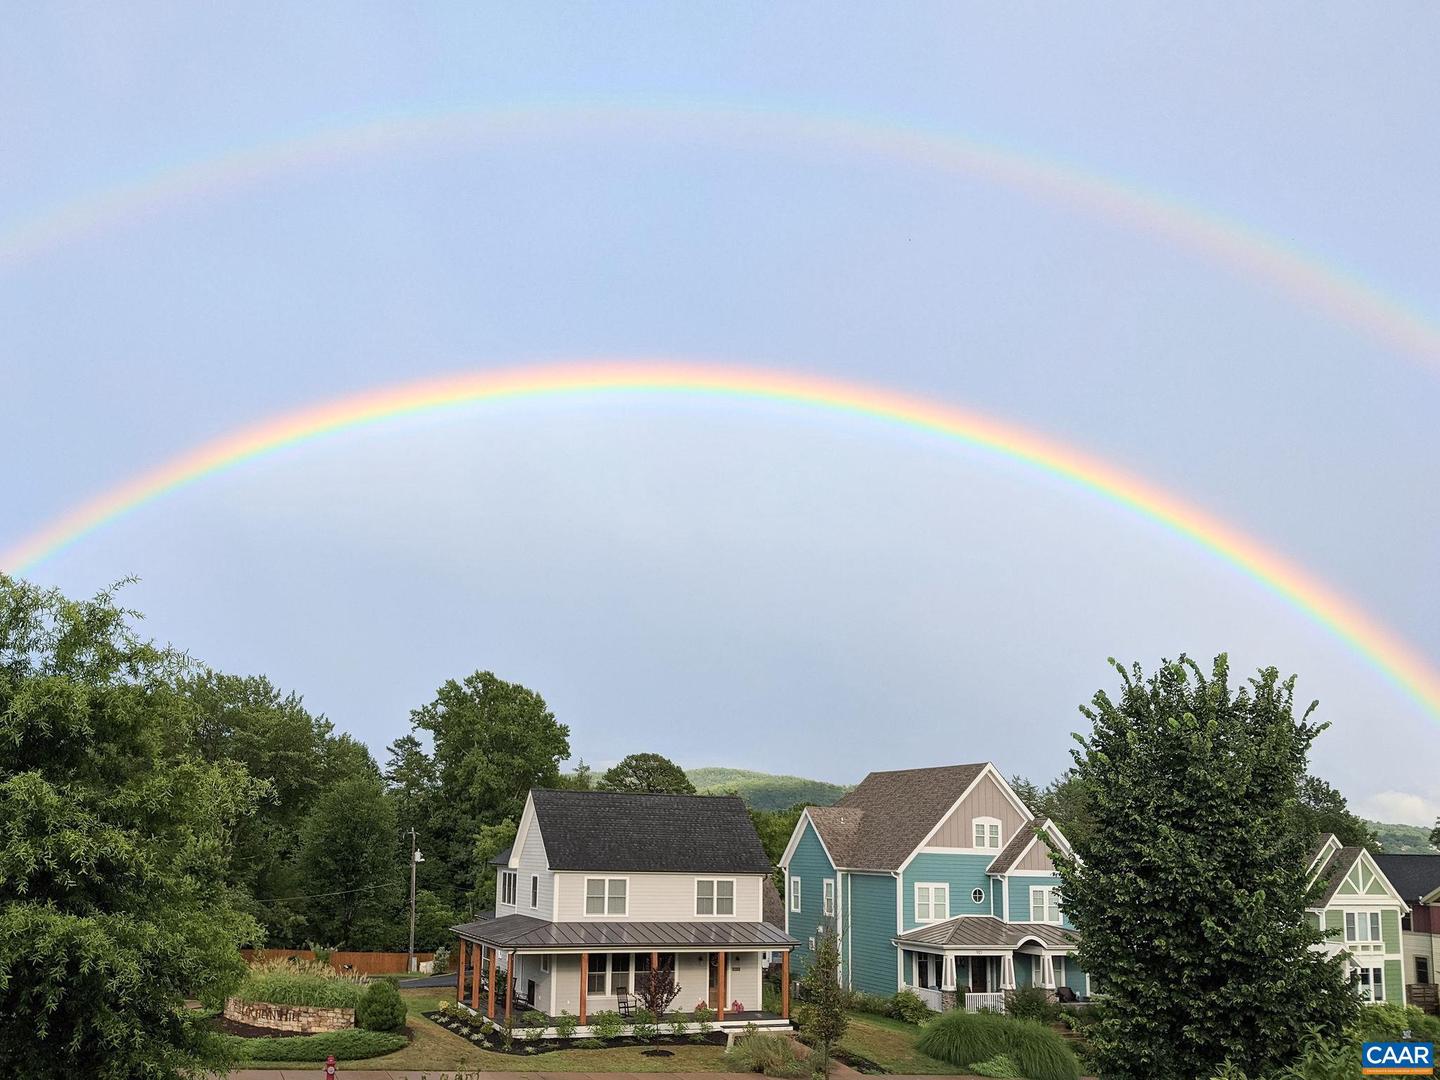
(930, 996)
(984, 1002)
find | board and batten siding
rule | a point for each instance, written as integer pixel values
(657, 897)
(812, 866)
(962, 873)
(870, 928)
(985, 800)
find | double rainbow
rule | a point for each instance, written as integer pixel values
(1387, 653)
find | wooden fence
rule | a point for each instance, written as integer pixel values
(366, 963)
(1424, 996)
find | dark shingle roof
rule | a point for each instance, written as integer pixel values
(1011, 852)
(772, 904)
(987, 932)
(1332, 874)
(876, 826)
(1413, 876)
(503, 857)
(523, 932)
(609, 830)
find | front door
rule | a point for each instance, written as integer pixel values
(712, 981)
(979, 969)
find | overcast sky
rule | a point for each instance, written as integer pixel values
(720, 582)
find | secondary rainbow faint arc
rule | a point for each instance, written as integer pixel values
(1341, 294)
(1382, 648)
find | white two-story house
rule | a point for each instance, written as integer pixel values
(600, 888)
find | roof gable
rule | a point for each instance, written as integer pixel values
(619, 831)
(1351, 873)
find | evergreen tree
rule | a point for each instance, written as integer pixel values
(1189, 894)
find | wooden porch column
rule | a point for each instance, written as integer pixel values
(584, 982)
(720, 987)
(494, 966)
(509, 987)
(460, 973)
(655, 966)
(477, 966)
(785, 984)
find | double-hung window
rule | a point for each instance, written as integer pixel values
(829, 897)
(606, 896)
(620, 973)
(932, 902)
(507, 886)
(987, 833)
(595, 977)
(1372, 984)
(714, 896)
(1044, 904)
(1362, 927)
(534, 890)
(794, 894)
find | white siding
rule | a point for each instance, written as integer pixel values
(656, 897)
(533, 863)
(691, 972)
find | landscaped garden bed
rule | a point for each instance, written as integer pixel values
(526, 1037)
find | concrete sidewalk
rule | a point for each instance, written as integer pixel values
(435, 1074)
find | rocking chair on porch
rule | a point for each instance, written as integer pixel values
(626, 1005)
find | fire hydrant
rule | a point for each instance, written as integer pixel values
(329, 1067)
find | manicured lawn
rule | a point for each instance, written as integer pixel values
(891, 1045)
(434, 1048)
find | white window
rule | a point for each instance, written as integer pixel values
(620, 973)
(595, 977)
(1044, 904)
(987, 833)
(534, 890)
(1037, 976)
(605, 896)
(1362, 926)
(977, 896)
(545, 963)
(932, 902)
(829, 904)
(714, 896)
(794, 894)
(508, 879)
(1372, 984)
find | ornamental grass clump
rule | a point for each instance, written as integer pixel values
(765, 1052)
(965, 1039)
(287, 982)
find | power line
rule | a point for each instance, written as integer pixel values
(319, 895)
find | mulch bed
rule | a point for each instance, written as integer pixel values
(520, 1047)
(251, 1031)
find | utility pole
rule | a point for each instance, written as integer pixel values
(415, 859)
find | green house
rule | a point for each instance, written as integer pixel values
(1360, 912)
(938, 880)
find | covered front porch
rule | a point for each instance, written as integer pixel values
(972, 962)
(515, 965)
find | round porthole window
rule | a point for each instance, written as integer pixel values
(978, 895)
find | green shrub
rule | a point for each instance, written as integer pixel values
(565, 1025)
(1001, 1067)
(280, 982)
(704, 1023)
(966, 1039)
(1382, 1023)
(765, 1052)
(607, 1025)
(1031, 1003)
(907, 1006)
(679, 1025)
(644, 1025)
(871, 1003)
(381, 1009)
(532, 1024)
(589, 1043)
(349, 1045)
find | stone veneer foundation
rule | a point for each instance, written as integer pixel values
(302, 1019)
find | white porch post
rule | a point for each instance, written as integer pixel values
(1047, 971)
(947, 973)
(1007, 972)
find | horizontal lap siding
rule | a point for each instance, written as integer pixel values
(962, 873)
(871, 923)
(652, 897)
(812, 866)
(1020, 897)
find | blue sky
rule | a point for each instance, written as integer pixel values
(726, 584)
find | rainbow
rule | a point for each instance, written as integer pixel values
(1342, 295)
(1387, 653)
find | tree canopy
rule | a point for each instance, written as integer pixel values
(114, 855)
(647, 774)
(1189, 891)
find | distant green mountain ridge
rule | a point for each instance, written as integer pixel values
(1402, 839)
(765, 791)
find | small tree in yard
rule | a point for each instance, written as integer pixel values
(1189, 892)
(657, 991)
(822, 1017)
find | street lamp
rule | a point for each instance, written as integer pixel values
(415, 860)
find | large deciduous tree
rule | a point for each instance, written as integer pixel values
(493, 741)
(1189, 893)
(113, 851)
(647, 774)
(349, 865)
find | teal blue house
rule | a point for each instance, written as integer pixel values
(933, 879)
